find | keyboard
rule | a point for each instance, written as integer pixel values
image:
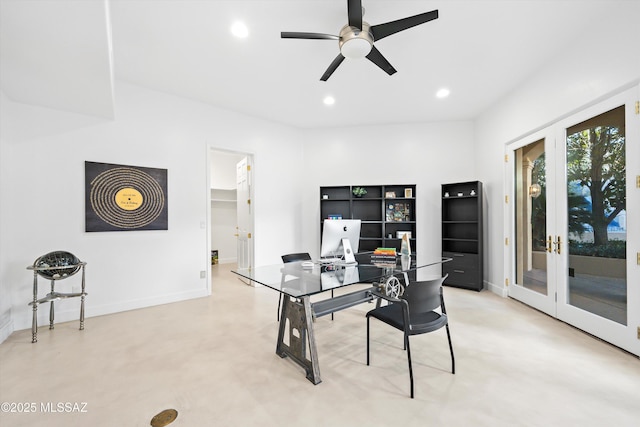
(333, 261)
(323, 261)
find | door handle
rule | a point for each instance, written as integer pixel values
(549, 243)
(558, 245)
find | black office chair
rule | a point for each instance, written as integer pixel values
(301, 256)
(413, 313)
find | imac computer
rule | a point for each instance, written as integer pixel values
(340, 240)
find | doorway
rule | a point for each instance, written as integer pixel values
(572, 204)
(231, 212)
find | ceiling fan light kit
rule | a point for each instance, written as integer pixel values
(355, 42)
(356, 39)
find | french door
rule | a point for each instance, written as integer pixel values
(574, 230)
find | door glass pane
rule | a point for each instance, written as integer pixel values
(531, 217)
(597, 223)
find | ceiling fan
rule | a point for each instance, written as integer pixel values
(357, 37)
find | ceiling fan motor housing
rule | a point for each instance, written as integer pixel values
(354, 42)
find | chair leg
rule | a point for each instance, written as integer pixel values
(410, 367)
(368, 340)
(453, 361)
(331, 297)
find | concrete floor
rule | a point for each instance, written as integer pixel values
(213, 360)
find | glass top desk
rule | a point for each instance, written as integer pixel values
(298, 284)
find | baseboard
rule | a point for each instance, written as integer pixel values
(496, 289)
(72, 314)
(6, 330)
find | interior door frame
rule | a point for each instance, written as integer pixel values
(210, 150)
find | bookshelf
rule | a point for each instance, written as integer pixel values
(386, 211)
(462, 234)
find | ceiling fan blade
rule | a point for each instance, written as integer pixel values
(296, 35)
(383, 30)
(376, 57)
(336, 62)
(354, 10)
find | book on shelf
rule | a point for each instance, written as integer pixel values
(334, 216)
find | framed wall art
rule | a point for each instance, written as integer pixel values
(125, 198)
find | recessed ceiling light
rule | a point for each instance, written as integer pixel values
(443, 93)
(240, 30)
(329, 100)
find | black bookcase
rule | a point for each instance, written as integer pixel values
(462, 236)
(386, 211)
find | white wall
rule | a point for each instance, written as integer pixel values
(597, 65)
(427, 155)
(42, 192)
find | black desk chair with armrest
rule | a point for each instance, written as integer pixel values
(413, 313)
(301, 256)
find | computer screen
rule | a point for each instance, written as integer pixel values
(333, 233)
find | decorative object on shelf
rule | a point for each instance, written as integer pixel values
(125, 198)
(473, 193)
(460, 194)
(398, 212)
(325, 197)
(405, 261)
(401, 234)
(405, 249)
(446, 194)
(334, 217)
(57, 265)
(408, 193)
(390, 195)
(359, 191)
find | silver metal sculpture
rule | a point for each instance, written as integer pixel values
(57, 265)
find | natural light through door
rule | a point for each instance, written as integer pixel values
(573, 205)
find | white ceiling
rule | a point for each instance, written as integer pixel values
(57, 53)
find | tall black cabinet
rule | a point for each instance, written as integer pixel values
(386, 211)
(462, 234)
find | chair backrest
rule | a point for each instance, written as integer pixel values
(301, 256)
(424, 296)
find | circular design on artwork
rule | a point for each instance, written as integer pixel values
(126, 197)
(129, 199)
